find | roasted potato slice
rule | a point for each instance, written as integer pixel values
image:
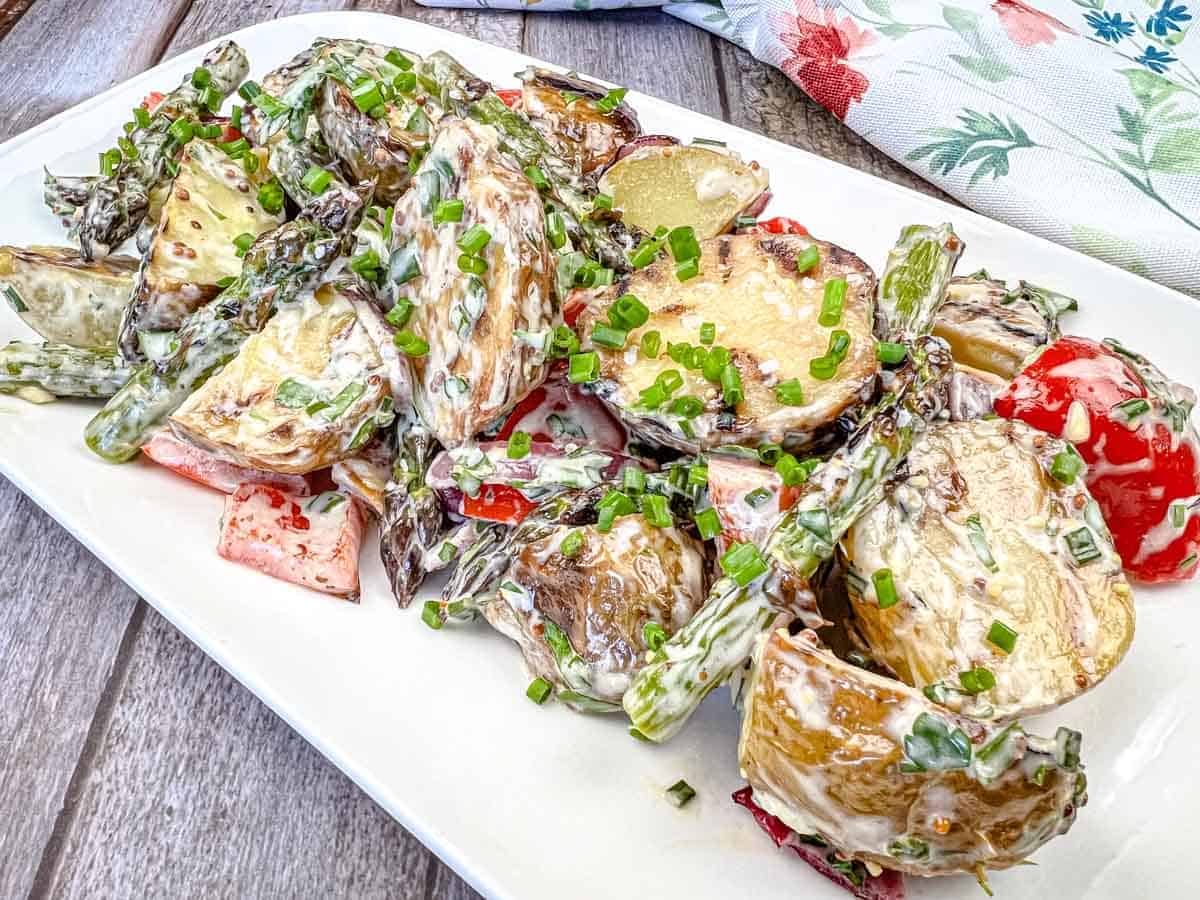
(478, 365)
(309, 390)
(706, 187)
(886, 777)
(64, 299)
(563, 110)
(991, 328)
(577, 600)
(765, 314)
(212, 202)
(979, 532)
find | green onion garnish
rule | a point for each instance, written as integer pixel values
(243, 242)
(270, 197)
(181, 131)
(366, 264)
(405, 82)
(687, 407)
(669, 380)
(651, 344)
(633, 479)
(316, 180)
(653, 397)
(537, 178)
(743, 563)
(539, 690)
(757, 498)
(141, 116)
(790, 392)
(563, 343)
(825, 367)
(474, 239)
(472, 265)
(519, 443)
(653, 635)
(201, 77)
(833, 302)
(249, 90)
(680, 793)
(400, 313)
(411, 344)
(366, 95)
(1067, 465)
(708, 523)
(688, 269)
(978, 539)
(1131, 409)
(890, 353)
(556, 230)
(977, 680)
(628, 312)
(657, 511)
(447, 211)
(808, 258)
(583, 367)
(644, 253)
(683, 244)
(791, 470)
(399, 60)
(602, 201)
(571, 545)
(607, 336)
(431, 614)
(885, 588)
(1001, 636)
(714, 363)
(235, 149)
(731, 385)
(1178, 515)
(1082, 546)
(708, 333)
(611, 100)
(235, 117)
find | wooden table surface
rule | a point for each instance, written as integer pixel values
(133, 766)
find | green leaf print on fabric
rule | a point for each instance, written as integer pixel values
(983, 139)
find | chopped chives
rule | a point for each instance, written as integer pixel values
(431, 614)
(977, 680)
(602, 201)
(708, 523)
(731, 385)
(890, 353)
(688, 269)
(618, 501)
(743, 563)
(519, 444)
(697, 475)
(235, 117)
(141, 116)
(583, 368)
(366, 264)
(405, 82)
(744, 222)
(571, 545)
(181, 131)
(472, 265)
(399, 60)
(249, 90)
(808, 258)
(410, 344)
(366, 95)
(714, 363)
(633, 479)
(201, 77)
(669, 380)
(651, 344)
(611, 100)
(885, 588)
(316, 180)
(539, 690)
(657, 511)
(537, 178)
(400, 313)
(687, 407)
(1001, 636)
(447, 211)
(1131, 409)
(474, 239)
(653, 635)
(211, 99)
(563, 342)
(243, 242)
(696, 358)
(235, 149)
(249, 163)
(644, 253)
(1067, 465)
(757, 497)
(270, 197)
(683, 244)
(680, 793)
(556, 230)
(628, 312)
(680, 353)
(833, 303)
(609, 337)
(1178, 515)
(792, 471)
(978, 539)
(790, 392)
(653, 397)
(1082, 546)
(708, 333)
(127, 148)
(769, 453)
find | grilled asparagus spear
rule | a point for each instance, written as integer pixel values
(61, 370)
(117, 203)
(718, 639)
(412, 518)
(277, 267)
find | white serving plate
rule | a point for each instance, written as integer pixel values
(531, 802)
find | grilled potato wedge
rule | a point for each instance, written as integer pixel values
(64, 299)
(765, 315)
(671, 185)
(477, 366)
(977, 532)
(212, 202)
(884, 776)
(309, 390)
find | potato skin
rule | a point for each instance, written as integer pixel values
(822, 743)
(765, 314)
(1075, 622)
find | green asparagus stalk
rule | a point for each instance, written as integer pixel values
(412, 517)
(61, 370)
(278, 266)
(116, 204)
(719, 638)
(914, 281)
(571, 192)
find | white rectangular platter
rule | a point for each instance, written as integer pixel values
(532, 802)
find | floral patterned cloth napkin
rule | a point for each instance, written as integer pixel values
(1077, 120)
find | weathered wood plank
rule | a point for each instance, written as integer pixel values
(198, 790)
(503, 29)
(208, 19)
(762, 99)
(62, 52)
(61, 622)
(657, 54)
(10, 11)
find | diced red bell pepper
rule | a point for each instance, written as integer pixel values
(510, 96)
(781, 225)
(498, 503)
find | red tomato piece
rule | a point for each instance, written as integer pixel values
(310, 541)
(730, 481)
(498, 503)
(229, 134)
(781, 225)
(510, 96)
(1139, 467)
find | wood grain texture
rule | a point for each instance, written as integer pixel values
(62, 52)
(10, 11)
(61, 623)
(763, 99)
(502, 29)
(198, 790)
(658, 54)
(208, 19)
